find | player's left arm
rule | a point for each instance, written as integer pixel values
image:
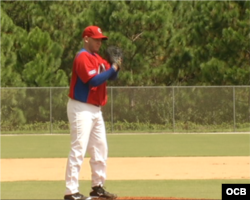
(114, 76)
(102, 77)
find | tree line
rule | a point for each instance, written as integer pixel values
(164, 42)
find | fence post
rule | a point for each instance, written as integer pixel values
(50, 107)
(173, 109)
(112, 109)
(234, 109)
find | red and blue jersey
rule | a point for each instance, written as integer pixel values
(87, 68)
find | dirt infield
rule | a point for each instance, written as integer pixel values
(154, 168)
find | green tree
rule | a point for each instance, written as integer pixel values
(65, 21)
(209, 43)
(41, 58)
(12, 38)
(165, 43)
(140, 28)
(60, 23)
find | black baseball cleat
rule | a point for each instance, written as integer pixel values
(99, 192)
(76, 196)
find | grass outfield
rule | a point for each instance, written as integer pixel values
(145, 145)
(208, 189)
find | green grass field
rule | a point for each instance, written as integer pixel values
(145, 145)
(208, 189)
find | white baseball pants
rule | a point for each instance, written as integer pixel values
(88, 133)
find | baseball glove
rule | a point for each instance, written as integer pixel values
(114, 55)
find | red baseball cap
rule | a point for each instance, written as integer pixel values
(94, 32)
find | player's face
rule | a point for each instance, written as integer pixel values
(94, 45)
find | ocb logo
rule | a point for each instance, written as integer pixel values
(241, 191)
(236, 191)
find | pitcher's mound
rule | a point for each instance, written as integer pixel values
(159, 198)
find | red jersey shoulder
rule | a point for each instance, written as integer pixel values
(86, 66)
(92, 64)
(86, 57)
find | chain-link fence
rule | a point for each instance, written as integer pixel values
(132, 109)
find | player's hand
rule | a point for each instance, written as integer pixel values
(119, 62)
(115, 66)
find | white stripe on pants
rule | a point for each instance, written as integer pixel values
(88, 133)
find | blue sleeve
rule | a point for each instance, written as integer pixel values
(102, 77)
(114, 76)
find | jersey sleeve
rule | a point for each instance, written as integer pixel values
(85, 67)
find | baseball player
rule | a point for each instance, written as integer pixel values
(86, 97)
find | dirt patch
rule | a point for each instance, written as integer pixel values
(157, 198)
(156, 168)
